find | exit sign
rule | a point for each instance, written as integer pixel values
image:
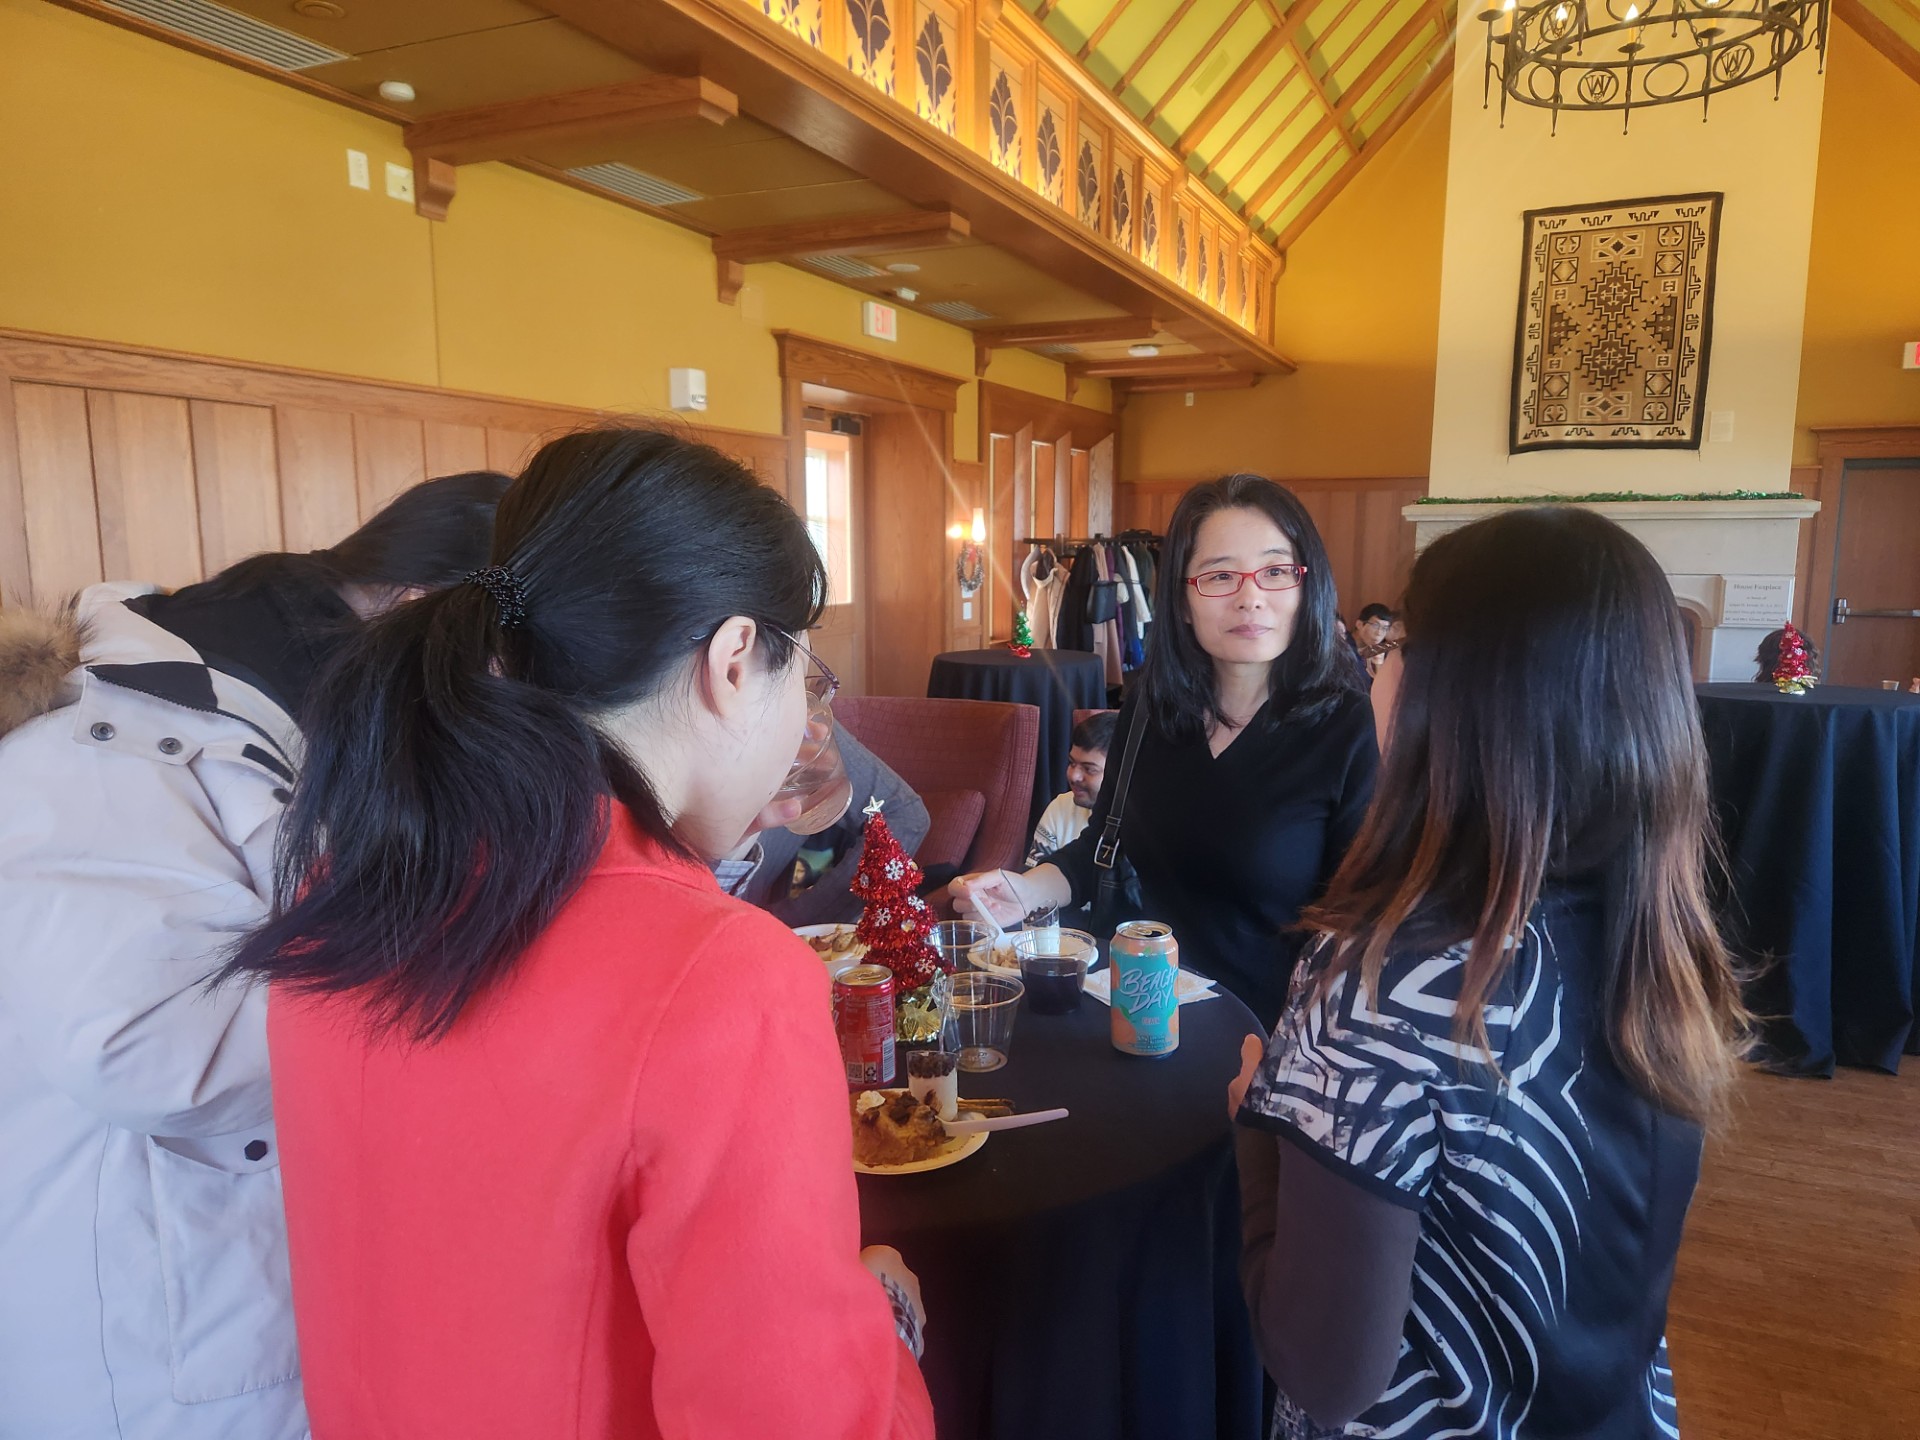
(879, 322)
(1910, 355)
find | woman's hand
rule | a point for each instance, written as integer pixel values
(1252, 1051)
(993, 893)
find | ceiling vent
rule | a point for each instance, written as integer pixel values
(956, 310)
(230, 30)
(1057, 349)
(635, 184)
(845, 266)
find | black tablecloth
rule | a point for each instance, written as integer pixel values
(1819, 803)
(1058, 682)
(1081, 1277)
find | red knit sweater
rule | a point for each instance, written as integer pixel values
(615, 1201)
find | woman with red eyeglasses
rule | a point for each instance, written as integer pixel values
(1255, 748)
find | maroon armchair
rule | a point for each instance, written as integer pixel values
(971, 761)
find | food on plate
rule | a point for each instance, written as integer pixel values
(891, 1127)
(837, 944)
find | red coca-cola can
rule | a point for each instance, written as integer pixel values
(863, 1017)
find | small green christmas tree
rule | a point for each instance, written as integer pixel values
(1022, 635)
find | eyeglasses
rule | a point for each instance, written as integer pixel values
(822, 683)
(1218, 584)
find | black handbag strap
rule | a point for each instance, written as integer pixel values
(1107, 852)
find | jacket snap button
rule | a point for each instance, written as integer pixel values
(169, 746)
(101, 731)
(256, 1150)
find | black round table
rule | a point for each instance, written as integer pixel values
(1818, 797)
(1081, 1277)
(1056, 682)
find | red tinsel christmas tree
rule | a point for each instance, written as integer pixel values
(896, 926)
(1793, 675)
(1022, 643)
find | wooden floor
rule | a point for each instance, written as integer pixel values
(1796, 1310)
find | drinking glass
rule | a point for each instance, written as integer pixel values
(983, 1011)
(963, 944)
(1054, 964)
(818, 776)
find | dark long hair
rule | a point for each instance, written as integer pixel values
(1546, 726)
(426, 536)
(456, 784)
(1310, 675)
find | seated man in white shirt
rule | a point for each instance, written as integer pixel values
(1063, 819)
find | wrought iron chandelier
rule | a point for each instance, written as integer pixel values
(1629, 55)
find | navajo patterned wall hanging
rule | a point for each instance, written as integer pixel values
(1616, 324)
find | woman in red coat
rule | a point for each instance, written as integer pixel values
(565, 1135)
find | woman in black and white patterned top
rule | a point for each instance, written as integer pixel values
(1467, 1152)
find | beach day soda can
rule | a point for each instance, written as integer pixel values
(1145, 995)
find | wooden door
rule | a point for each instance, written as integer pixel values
(832, 503)
(1873, 634)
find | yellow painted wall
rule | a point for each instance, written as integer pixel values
(1863, 292)
(152, 197)
(1358, 309)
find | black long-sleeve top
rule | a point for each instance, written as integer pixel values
(1230, 848)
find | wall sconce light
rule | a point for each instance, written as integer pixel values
(971, 568)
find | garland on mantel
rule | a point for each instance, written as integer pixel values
(1604, 497)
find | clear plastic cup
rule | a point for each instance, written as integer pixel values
(983, 1009)
(1054, 965)
(818, 777)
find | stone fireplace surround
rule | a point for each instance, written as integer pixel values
(1731, 563)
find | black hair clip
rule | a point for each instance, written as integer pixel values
(507, 591)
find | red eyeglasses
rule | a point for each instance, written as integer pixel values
(1218, 584)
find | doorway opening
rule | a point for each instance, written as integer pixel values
(1872, 631)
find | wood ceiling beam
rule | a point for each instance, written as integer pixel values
(1273, 137)
(1295, 157)
(1224, 99)
(1154, 367)
(1882, 36)
(508, 130)
(1438, 75)
(1304, 63)
(1200, 57)
(1160, 37)
(1429, 15)
(1100, 31)
(849, 235)
(1173, 385)
(1060, 332)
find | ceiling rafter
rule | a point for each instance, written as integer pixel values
(1273, 43)
(1288, 167)
(1200, 57)
(1100, 31)
(1430, 14)
(1273, 93)
(1304, 63)
(1882, 36)
(1440, 71)
(1360, 39)
(1160, 37)
(1318, 84)
(1273, 138)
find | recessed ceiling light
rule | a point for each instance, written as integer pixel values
(1143, 351)
(396, 92)
(903, 267)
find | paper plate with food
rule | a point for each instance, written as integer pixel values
(834, 944)
(896, 1132)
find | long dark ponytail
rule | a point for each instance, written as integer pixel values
(455, 790)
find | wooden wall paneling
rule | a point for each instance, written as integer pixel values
(1003, 577)
(1079, 479)
(237, 478)
(56, 490)
(318, 501)
(389, 455)
(1046, 515)
(1813, 570)
(909, 515)
(509, 450)
(1063, 485)
(144, 486)
(16, 574)
(455, 449)
(1100, 486)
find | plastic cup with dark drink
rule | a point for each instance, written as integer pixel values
(818, 777)
(1054, 964)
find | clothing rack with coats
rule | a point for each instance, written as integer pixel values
(1093, 593)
